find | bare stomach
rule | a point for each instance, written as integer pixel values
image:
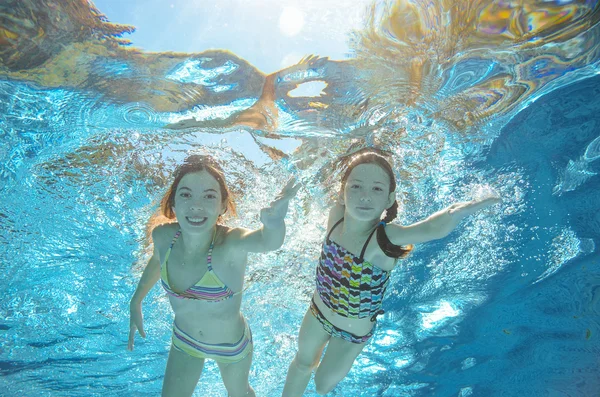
(356, 326)
(216, 322)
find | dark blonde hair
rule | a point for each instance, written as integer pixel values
(375, 156)
(197, 163)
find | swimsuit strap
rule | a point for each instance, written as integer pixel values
(362, 253)
(175, 238)
(208, 255)
(210, 250)
(171, 246)
(334, 226)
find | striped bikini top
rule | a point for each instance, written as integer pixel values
(209, 288)
(347, 284)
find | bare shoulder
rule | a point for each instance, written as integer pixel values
(163, 234)
(231, 239)
(230, 235)
(335, 214)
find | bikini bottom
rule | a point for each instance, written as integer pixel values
(220, 352)
(335, 331)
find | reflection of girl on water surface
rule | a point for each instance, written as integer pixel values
(201, 264)
(361, 249)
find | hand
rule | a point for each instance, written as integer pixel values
(486, 201)
(136, 322)
(470, 207)
(274, 214)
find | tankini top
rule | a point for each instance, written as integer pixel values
(347, 284)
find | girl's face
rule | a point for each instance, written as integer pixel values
(198, 202)
(367, 192)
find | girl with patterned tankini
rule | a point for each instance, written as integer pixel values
(359, 252)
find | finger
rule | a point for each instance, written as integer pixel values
(292, 190)
(488, 202)
(140, 328)
(481, 205)
(131, 337)
(296, 188)
(290, 183)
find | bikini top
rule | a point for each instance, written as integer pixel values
(209, 288)
(347, 284)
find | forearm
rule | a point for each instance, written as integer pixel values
(272, 236)
(444, 221)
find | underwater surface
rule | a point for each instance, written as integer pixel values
(469, 96)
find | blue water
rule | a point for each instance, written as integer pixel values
(506, 305)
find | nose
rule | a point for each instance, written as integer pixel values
(197, 206)
(365, 198)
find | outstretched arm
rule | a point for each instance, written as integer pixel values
(271, 235)
(150, 276)
(439, 224)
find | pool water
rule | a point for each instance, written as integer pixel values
(507, 305)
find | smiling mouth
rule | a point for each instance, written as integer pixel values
(364, 208)
(196, 221)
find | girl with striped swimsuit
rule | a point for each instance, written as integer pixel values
(201, 265)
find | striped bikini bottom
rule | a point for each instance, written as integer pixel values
(220, 352)
(335, 331)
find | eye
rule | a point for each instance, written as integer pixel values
(210, 196)
(355, 186)
(185, 195)
(377, 188)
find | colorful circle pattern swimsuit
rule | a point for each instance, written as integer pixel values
(211, 289)
(349, 286)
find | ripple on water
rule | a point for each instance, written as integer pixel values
(138, 114)
(592, 152)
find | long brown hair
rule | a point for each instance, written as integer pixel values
(370, 155)
(197, 163)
